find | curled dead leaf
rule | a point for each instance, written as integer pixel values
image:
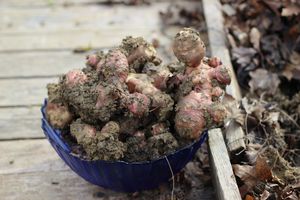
(263, 81)
(262, 169)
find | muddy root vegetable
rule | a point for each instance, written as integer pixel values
(54, 93)
(138, 104)
(93, 59)
(160, 145)
(138, 52)
(75, 77)
(188, 47)
(136, 148)
(162, 103)
(114, 67)
(103, 145)
(159, 74)
(58, 115)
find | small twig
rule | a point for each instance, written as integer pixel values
(173, 179)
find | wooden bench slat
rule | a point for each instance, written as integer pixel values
(49, 63)
(51, 3)
(58, 185)
(26, 156)
(20, 92)
(221, 167)
(20, 123)
(92, 17)
(71, 39)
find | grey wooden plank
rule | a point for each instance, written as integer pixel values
(234, 139)
(31, 170)
(20, 123)
(39, 63)
(26, 156)
(92, 17)
(58, 185)
(41, 3)
(20, 92)
(224, 179)
(71, 39)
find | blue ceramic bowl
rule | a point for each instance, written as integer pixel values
(119, 175)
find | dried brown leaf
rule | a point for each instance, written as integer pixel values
(262, 169)
(290, 10)
(249, 197)
(246, 173)
(292, 70)
(263, 81)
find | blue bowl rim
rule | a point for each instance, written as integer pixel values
(57, 132)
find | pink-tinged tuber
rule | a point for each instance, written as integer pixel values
(75, 77)
(123, 104)
(188, 47)
(138, 104)
(162, 103)
(138, 52)
(93, 59)
(201, 87)
(114, 67)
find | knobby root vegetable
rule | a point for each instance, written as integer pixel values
(201, 86)
(188, 47)
(58, 115)
(103, 144)
(162, 103)
(124, 103)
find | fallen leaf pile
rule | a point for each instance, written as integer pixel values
(263, 34)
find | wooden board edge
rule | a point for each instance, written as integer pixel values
(223, 177)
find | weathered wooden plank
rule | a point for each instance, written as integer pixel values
(39, 63)
(20, 122)
(31, 170)
(40, 3)
(234, 139)
(92, 17)
(224, 179)
(58, 185)
(60, 40)
(25, 156)
(20, 92)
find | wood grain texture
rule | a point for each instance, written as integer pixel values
(23, 92)
(235, 139)
(31, 170)
(224, 179)
(66, 3)
(20, 123)
(58, 185)
(62, 40)
(90, 17)
(26, 156)
(39, 63)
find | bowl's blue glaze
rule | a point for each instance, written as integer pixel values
(120, 175)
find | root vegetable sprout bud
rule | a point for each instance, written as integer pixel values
(126, 105)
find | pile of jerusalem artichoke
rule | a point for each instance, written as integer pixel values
(126, 105)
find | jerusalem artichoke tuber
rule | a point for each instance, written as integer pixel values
(121, 105)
